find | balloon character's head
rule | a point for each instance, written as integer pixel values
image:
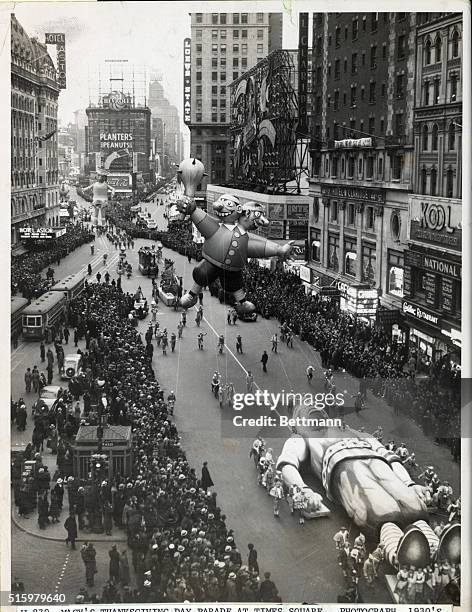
(253, 216)
(102, 176)
(227, 208)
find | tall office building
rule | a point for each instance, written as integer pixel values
(34, 157)
(163, 110)
(223, 46)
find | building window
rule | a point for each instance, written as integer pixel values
(199, 18)
(426, 93)
(223, 90)
(244, 62)
(350, 257)
(337, 69)
(244, 18)
(451, 137)
(427, 52)
(353, 95)
(214, 90)
(223, 34)
(336, 100)
(260, 34)
(372, 96)
(214, 18)
(397, 167)
(223, 118)
(315, 237)
(401, 47)
(373, 57)
(436, 91)
(260, 17)
(235, 62)
(214, 34)
(454, 80)
(425, 138)
(370, 167)
(333, 252)
(198, 76)
(437, 48)
(222, 62)
(214, 48)
(214, 118)
(198, 117)
(260, 49)
(199, 62)
(222, 76)
(368, 263)
(380, 167)
(400, 86)
(450, 183)
(235, 75)
(334, 167)
(337, 36)
(354, 63)
(434, 138)
(399, 125)
(374, 22)
(395, 273)
(350, 167)
(424, 179)
(198, 35)
(235, 48)
(455, 44)
(334, 212)
(223, 19)
(198, 48)
(369, 217)
(244, 48)
(434, 182)
(371, 126)
(235, 18)
(214, 76)
(351, 215)
(223, 49)
(243, 33)
(355, 29)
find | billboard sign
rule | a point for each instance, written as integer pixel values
(436, 221)
(302, 74)
(187, 80)
(118, 181)
(59, 40)
(116, 140)
(37, 233)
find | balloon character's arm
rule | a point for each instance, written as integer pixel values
(110, 188)
(205, 224)
(294, 452)
(261, 247)
(88, 188)
(394, 461)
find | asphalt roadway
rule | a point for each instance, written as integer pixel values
(301, 559)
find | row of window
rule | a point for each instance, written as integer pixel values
(215, 34)
(431, 143)
(351, 216)
(432, 89)
(236, 18)
(214, 118)
(27, 179)
(215, 76)
(431, 187)
(374, 23)
(222, 62)
(432, 50)
(243, 48)
(237, 34)
(215, 49)
(359, 171)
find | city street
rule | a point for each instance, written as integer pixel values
(301, 559)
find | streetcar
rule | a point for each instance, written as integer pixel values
(46, 312)
(71, 286)
(18, 304)
(148, 258)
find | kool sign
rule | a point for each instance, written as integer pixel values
(436, 221)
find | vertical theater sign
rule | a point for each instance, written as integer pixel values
(187, 80)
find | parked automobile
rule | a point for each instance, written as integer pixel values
(151, 224)
(48, 396)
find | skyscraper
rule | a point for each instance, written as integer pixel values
(223, 46)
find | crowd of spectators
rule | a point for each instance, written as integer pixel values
(26, 268)
(364, 350)
(181, 548)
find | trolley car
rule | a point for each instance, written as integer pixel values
(148, 258)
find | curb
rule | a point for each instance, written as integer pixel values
(21, 527)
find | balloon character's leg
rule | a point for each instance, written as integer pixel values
(203, 274)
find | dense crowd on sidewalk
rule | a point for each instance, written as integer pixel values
(26, 278)
(181, 548)
(363, 350)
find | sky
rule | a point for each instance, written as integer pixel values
(148, 34)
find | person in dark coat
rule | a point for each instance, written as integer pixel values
(43, 511)
(42, 352)
(89, 554)
(114, 568)
(206, 480)
(252, 563)
(264, 360)
(107, 517)
(268, 590)
(71, 526)
(66, 335)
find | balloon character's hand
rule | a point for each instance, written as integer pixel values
(285, 252)
(185, 205)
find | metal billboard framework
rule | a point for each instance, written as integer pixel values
(263, 130)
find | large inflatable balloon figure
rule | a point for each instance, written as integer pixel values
(100, 191)
(228, 245)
